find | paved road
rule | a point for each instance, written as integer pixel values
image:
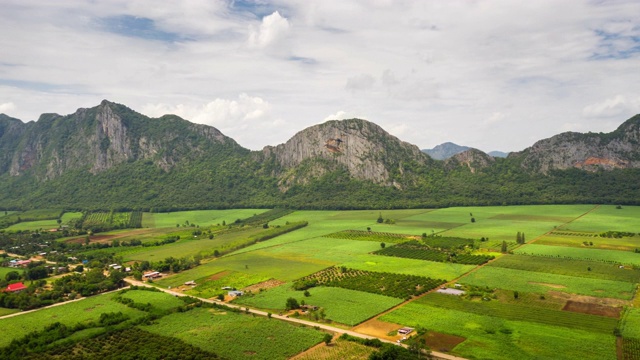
(435, 354)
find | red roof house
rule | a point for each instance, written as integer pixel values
(16, 287)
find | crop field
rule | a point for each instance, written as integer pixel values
(538, 282)
(370, 236)
(496, 338)
(580, 268)
(5, 311)
(520, 312)
(589, 240)
(44, 224)
(345, 306)
(211, 286)
(5, 270)
(159, 300)
(236, 336)
(630, 325)
(608, 218)
(415, 250)
(338, 350)
(630, 349)
(88, 309)
(609, 256)
(201, 218)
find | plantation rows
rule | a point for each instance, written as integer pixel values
(369, 236)
(630, 349)
(444, 242)
(414, 250)
(518, 312)
(390, 284)
(109, 220)
(567, 233)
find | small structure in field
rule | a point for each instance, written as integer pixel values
(449, 291)
(152, 275)
(227, 288)
(309, 307)
(235, 293)
(190, 282)
(405, 330)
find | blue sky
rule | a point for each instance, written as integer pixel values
(492, 74)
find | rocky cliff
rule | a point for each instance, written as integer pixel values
(445, 150)
(473, 159)
(364, 149)
(619, 149)
(100, 138)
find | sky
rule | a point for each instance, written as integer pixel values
(490, 74)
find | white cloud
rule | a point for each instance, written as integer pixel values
(272, 31)
(360, 82)
(7, 107)
(619, 105)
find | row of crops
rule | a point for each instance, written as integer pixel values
(630, 349)
(415, 250)
(390, 284)
(370, 236)
(112, 220)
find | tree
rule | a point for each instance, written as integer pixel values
(519, 238)
(369, 229)
(79, 268)
(380, 219)
(307, 293)
(516, 295)
(473, 219)
(265, 226)
(327, 339)
(382, 245)
(12, 275)
(59, 221)
(292, 304)
(216, 253)
(504, 247)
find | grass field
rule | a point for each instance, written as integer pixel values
(44, 224)
(159, 300)
(202, 218)
(607, 217)
(630, 324)
(345, 306)
(237, 336)
(490, 337)
(5, 311)
(538, 282)
(610, 256)
(580, 268)
(88, 309)
(5, 270)
(210, 286)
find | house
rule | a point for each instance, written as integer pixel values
(309, 307)
(19, 263)
(117, 267)
(113, 265)
(190, 282)
(235, 293)
(152, 275)
(17, 287)
(227, 288)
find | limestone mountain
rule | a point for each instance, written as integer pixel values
(619, 149)
(361, 148)
(473, 159)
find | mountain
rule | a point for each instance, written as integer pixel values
(445, 150)
(111, 157)
(500, 154)
(619, 149)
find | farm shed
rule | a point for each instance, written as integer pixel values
(190, 282)
(152, 275)
(449, 291)
(17, 287)
(235, 293)
(405, 330)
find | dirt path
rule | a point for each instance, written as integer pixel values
(326, 327)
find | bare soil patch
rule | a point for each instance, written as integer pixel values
(589, 299)
(442, 342)
(555, 286)
(220, 275)
(379, 329)
(593, 309)
(271, 283)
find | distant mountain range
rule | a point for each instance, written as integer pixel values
(110, 156)
(448, 149)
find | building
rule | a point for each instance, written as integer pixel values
(14, 288)
(152, 275)
(235, 293)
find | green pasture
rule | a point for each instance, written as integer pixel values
(88, 309)
(345, 306)
(5, 270)
(490, 337)
(159, 300)
(608, 218)
(44, 224)
(610, 256)
(500, 230)
(624, 244)
(5, 311)
(199, 217)
(579, 268)
(544, 213)
(208, 288)
(538, 282)
(630, 324)
(6, 213)
(237, 336)
(339, 350)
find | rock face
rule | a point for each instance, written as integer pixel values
(591, 152)
(445, 150)
(474, 159)
(99, 139)
(364, 149)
